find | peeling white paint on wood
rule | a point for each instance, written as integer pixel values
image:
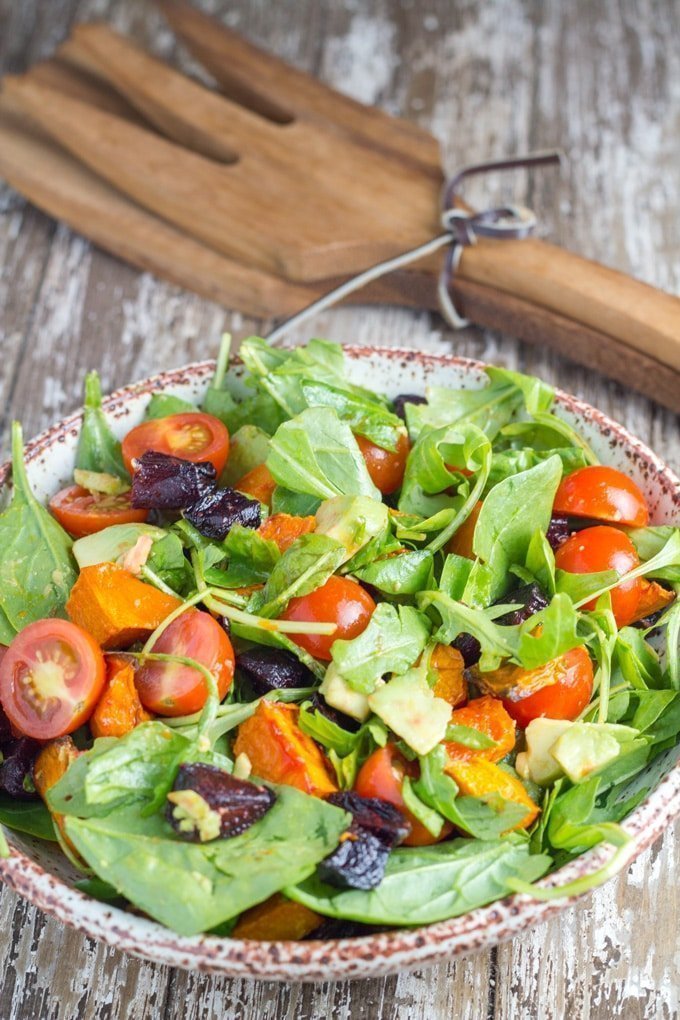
(601, 79)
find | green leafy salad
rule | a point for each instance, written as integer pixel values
(309, 660)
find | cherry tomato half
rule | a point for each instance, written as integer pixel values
(51, 677)
(171, 688)
(604, 548)
(386, 467)
(192, 436)
(382, 776)
(82, 513)
(339, 601)
(565, 698)
(602, 493)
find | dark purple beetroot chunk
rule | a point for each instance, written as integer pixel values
(215, 513)
(164, 482)
(16, 771)
(358, 862)
(345, 722)
(532, 598)
(406, 398)
(5, 726)
(558, 531)
(271, 669)
(224, 806)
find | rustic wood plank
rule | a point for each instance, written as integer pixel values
(598, 80)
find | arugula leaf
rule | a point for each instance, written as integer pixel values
(304, 567)
(427, 884)
(98, 449)
(392, 641)
(512, 462)
(553, 631)
(31, 817)
(405, 574)
(366, 417)
(192, 888)
(540, 562)
(37, 570)
(653, 542)
(299, 504)
(251, 559)
(636, 659)
(581, 587)
(162, 405)
(315, 453)
(259, 409)
(429, 474)
(168, 562)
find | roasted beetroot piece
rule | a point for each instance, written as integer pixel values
(273, 669)
(5, 727)
(163, 482)
(16, 771)
(382, 819)
(406, 398)
(215, 513)
(357, 863)
(558, 531)
(532, 599)
(335, 928)
(346, 722)
(208, 803)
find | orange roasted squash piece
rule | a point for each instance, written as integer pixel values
(478, 778)
(119, 709)
(489, 716)
(280, 752)
(449, 666)
(258, 484)
(114, 607)
(461, 542)
(284, 529)
(50, 765)
(653, 597)
(277, 919)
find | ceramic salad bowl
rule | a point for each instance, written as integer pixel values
(39, 872)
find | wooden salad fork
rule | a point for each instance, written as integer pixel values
(267, 194)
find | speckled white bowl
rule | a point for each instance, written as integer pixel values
(40, 873)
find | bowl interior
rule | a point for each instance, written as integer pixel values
(41, 872)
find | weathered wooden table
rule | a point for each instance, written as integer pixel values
(603, 81)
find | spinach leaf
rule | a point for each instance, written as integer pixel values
(315, 453)
(540, 562)
(192, 888)
(167, 561)
(428, 884)
(392, 641)
(406, 574)
(299, 504)
(31, 817)
(98, 448)
(303, 568)
(162, 405)
(636, 659)
(431, 470)
(37, 570)
(511, 513)
(366, 417)
(511, 462)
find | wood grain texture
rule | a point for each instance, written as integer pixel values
(604, 81)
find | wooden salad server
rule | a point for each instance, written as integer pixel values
(283, 186)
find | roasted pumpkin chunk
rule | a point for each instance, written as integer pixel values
(116, 608)
(478, 778)
(277, 919)
(49, 767)
(487, 715)
(449, 666)
(119, 709)
(258, 484)
(284, 529)
(280, 752)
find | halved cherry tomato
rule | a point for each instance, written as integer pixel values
(339, 601)
(382, 776)
(565, 698)
(192, 436)
(51, 677)
(604, 548)
(82, 513)
(604, 494)
(461, 542)
(170, 688)
(386, 467)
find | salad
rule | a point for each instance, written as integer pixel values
(315, 661)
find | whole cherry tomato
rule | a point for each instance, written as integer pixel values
(192, 436)
(81, 512)
(604, 548)
(340, 601)
(386, 467)
(604, 494)
(382, 775)
(51, 677)
(171, 688)
(564, 698)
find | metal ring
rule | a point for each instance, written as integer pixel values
(446, 305)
